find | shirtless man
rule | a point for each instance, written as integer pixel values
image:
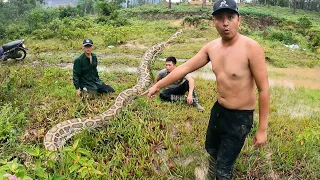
(238, 63)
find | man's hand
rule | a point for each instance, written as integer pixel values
(78, 92)
(190, 99)
(260, 138)
(151, 91)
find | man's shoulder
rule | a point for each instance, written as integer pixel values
(163, 71)
(213, 43)
(82, 55)
(79, 57)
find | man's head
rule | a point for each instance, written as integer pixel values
(87, 46)
(171, 63)
(226, 18)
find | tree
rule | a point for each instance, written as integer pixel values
(86, 6)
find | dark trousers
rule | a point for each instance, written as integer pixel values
(225, 137)
(180, 90)
(104, 88)
(101, 88)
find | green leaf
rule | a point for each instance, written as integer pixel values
(90, 162)
(1, 174)
(57, 177)
(41, 172)
(83, 171)
(84, 152)
(73, 156)
(20, 173)
(4, 167)
(3, 161)
(50, 163)
(66, 149)
(52, 154)
(83, 160)
(94, 171)
(74, 167)
(13, 166)
(75, 145)
(35, 152)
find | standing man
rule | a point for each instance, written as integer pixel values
(238, 63)
(176, 90)
(85, 74)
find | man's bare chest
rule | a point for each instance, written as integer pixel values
(233, 65)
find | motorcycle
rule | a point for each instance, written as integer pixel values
(13, 50)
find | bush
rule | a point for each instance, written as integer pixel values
(283, 36)
(67, 28)
(10, 119)
(194, 21)
(104, 8)
(69, 11)
(114, 20)
(39, 17)
(16, 31)
(314, 39)
(2, 32)
(304, 23)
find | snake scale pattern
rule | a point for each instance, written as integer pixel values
(60, 133)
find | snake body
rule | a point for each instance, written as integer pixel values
(61, 132)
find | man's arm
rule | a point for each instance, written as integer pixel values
(260, 75)
(196, 62)
(157, 78)
(76, 75)
(191, 88)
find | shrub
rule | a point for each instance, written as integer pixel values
(114, 20)
(314, 39)
(68, 11)
(16, 31)
(283, 36)
(104, 8)
(194, 21)
(10, 119)
(304, 23)
(2, 32)
(38, 17)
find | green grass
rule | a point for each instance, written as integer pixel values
(150, 139)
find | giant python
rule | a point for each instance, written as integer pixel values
(60, 133)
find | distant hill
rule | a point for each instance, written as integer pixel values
(60, 2)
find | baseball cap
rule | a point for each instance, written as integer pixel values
(225, 4)
(87, 42)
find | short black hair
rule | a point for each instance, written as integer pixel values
(171, 59)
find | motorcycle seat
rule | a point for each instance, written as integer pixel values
(11, 45)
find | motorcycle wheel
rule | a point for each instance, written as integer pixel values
(23, 54)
